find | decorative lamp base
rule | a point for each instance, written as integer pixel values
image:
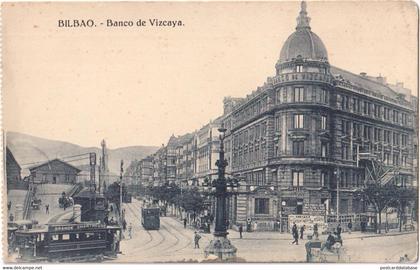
(220, 247)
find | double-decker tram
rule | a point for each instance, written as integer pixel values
(68, 242)
(150, 218)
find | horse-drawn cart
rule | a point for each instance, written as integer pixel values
(317, 251)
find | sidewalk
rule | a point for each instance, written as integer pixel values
(288, 236)
(271, 235)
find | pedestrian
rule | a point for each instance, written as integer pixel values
(240, 231)
(111, 221)
(197, 238)
(9, 205)
(227, 224)
(47, 209)
(11, 217)
(339, 231)
(329, 243)
(302, 229)
(315, 235)
(124, 223)
(185, 223)
(111, 208)
(130, 228)
(350, 226)
(278, 224)
(295, 234)
(255, 226)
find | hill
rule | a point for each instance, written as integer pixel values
(30, 149)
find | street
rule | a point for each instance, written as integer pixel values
(174, 243)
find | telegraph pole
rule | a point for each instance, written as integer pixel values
(121, 182)
(92, 163)
(99, 175)
(338, 195)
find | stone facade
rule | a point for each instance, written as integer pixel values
(303, 130)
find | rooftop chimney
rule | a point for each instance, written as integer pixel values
(381, 79)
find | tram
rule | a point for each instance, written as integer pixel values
(150, 218)
(68, 242)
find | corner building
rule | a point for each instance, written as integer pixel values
(303, 132)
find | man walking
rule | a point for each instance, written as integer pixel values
(302, 229)
(9, 205)
(47, 209)
(295, 234)
(185, 223)
(339, 231)
(350, 226)
(240, 231)
(315, 235)
(197, 238)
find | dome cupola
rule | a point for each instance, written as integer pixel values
(303, 43)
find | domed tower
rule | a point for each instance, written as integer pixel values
(303, 50)
(303, 94)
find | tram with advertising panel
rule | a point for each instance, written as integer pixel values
(150, 218)
(68, 242)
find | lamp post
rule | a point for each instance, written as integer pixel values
(220, 245)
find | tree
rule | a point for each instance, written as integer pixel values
(167, 193)
(191, 200)
(113, 192)
(379, 189)
(380, 197)
(402, 197)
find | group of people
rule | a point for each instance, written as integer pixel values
(296, 231)
(203, 226)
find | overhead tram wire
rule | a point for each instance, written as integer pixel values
(63, 159)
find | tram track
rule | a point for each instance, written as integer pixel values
(137, 216)
(158, 232)
(173, 235)
(189, 243)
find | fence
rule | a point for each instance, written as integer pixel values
(28, 201)
(75, 189)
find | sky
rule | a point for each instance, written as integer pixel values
(140, 85)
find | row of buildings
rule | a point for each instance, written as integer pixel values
(299, 138)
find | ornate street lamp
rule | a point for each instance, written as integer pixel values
(220, 245)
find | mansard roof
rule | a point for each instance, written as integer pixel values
(364, 82)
